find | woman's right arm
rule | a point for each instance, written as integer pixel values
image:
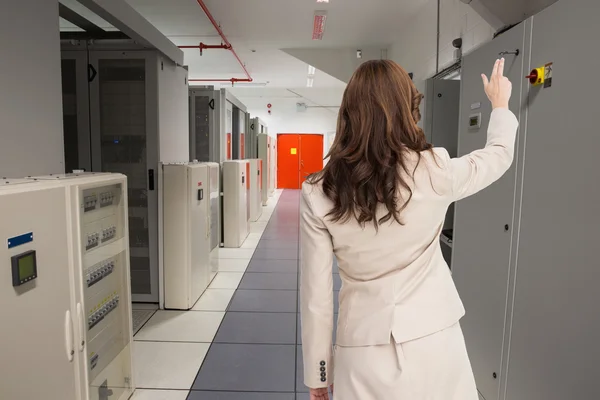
(479, 169)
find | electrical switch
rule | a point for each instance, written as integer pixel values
(536, 76)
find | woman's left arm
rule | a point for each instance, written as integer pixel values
(316, 294)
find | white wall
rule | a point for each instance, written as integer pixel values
(285, 119)
(415, 50)
(31, 130)
(284, 116)
(340, 62)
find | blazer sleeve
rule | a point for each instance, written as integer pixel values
(479, 169)
(316, 295)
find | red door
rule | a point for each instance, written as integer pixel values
(288, 159)
(311, 155)
(298, 155)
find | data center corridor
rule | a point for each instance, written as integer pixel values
(242, 339)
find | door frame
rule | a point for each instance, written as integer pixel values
(82, 87)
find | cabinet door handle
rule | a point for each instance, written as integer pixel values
(69, 336)
(91, 73)
(81, 324)
(150, 179)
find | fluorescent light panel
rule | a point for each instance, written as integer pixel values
(322, 1)
(309, 82)
(311, 70)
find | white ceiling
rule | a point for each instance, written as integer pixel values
(266, 26)
(258, 29)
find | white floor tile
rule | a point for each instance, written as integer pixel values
(236, 253)
(232, 264)
(226, 280)
(142, 394)
(253, 236)
(181, 326)
(214, 300)
(258, 227)
(161, 365)
(250, 244)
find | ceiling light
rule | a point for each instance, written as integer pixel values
(322, 1)
(309, 82)
(319, 25)
(311, 70)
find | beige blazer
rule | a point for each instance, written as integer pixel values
(395, 282)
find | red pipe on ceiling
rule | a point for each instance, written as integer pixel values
(225, 45)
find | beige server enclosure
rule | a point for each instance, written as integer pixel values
(235, 203)
(186, 238)
(214, 215)
(66, 274)
(255, 179)
(265, 156)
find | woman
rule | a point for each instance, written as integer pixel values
(379, 206)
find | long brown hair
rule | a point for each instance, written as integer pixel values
(376, 128)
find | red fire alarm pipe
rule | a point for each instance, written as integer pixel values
(224, 45)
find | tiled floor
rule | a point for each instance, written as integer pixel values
(242, 339)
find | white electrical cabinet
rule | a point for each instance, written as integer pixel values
(235, 202)
(187, 231)
(255, 179)
(264, 153)
(66, 331)
(214, 214)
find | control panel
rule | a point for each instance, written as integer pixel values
(475, 121)
(24, 268)
(104, 275)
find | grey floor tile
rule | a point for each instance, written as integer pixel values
(299, 330)
(302, 396)
(275, 254)
(277, 244)
(239, 396)
(264, 301)
(286, 236)
(257, 328)
(269, 281)
(247, 368)
(300, 387)
(337, 282)
(282, 266)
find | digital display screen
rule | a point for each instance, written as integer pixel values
(24, 268)
(27, 266)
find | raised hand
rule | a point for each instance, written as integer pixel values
(497, 88)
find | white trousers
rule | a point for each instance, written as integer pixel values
(435, 367)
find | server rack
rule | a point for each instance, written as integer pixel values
(524, 257)
(124, 100)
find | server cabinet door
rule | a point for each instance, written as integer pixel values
(202, 114)
(483, 225)
(38, 343)
(554, 348)
(123, 108)
(76, 73)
